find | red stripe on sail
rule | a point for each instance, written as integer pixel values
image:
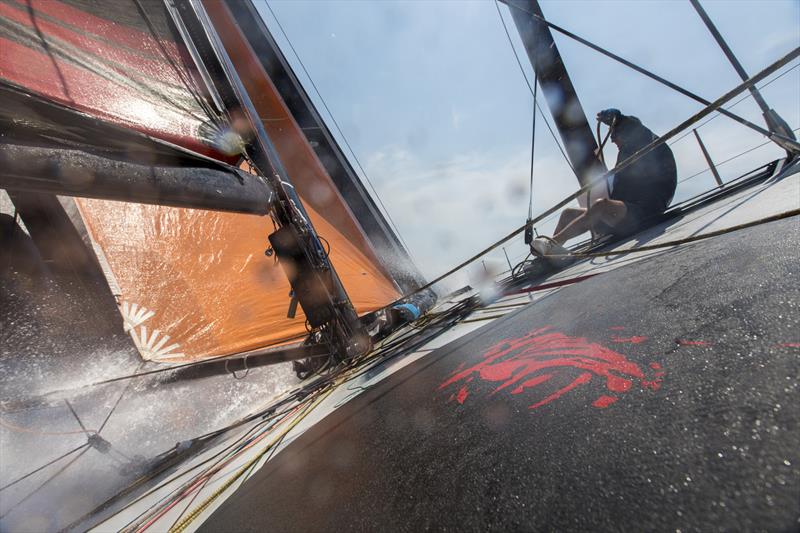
(88, 92)
(102, 27)
(132, 66)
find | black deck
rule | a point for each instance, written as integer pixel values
(705, 437)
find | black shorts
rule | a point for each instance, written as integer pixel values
(631, 223)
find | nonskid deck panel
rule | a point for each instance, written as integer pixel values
(670, 403)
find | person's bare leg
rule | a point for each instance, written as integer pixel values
(568, 215)
(604, 210)
(579, 224)
(609, 212)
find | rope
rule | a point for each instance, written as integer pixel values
(39, 469)
(730, 159)
(143, 479)
(46, 481)
(185, 77)
(601, 144)
(183, 524)
(629, 161)
(533, 144)
(116, 404)
(553, 284)
(678, 242)
(737, 102)
(393, 346)
(159, 370)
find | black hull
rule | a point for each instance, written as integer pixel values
(703, 436)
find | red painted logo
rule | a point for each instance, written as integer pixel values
(526, 364)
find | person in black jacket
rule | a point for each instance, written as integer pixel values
(637, 193)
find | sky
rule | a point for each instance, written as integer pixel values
(430, 98)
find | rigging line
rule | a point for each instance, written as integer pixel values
(532, 91)
(158, 370)
(119, 399)
(558, 143)
(164, 504)
(181, 526)
(39, 469)
(739, 101)
(80, 423)
(14, 427)
(770, 69)
(731, 159)
(533, 144)
(687, 240)
(143, 479)
(46, 45)
(46, 481)
(656, 77)
(300, 395)
(513, 48)
(339, 129)
(189, 504)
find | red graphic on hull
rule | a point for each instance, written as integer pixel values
(529, 362)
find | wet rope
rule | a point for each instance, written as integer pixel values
(183, 524)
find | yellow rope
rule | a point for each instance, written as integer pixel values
(183, 524)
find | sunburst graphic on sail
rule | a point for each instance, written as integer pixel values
(152, 345)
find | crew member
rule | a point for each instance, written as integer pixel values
(637, 193)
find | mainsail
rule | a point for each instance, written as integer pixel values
(189, 283)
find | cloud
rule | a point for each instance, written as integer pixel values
(456, 116)
(449, 209)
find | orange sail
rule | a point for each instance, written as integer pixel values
(194, 284)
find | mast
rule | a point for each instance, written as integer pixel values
(568, 114)
(331, 155)
(775, 122)
(315, 284)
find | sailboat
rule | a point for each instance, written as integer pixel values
(178, 218)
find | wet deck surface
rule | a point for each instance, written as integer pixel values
(670, 402)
